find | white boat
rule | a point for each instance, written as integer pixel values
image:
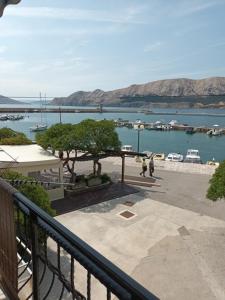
(41, 126)
(214, 132)
(127, 148)
(175, 157)
(38, 127)
(159, 156)
(173, 122)
(193, 156)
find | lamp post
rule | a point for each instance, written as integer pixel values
(138, 127)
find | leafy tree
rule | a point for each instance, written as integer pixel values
(217, 183)
(11, 137)
(90, 136)
(100, 136)
(34, 192)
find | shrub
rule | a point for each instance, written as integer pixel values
(105, 178)
(11, 137)
(217, 184)
(35, 193)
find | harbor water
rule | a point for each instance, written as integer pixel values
(150, 140)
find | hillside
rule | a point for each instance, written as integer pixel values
(6, 100)
(183, 92)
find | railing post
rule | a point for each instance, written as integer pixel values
(35, 258)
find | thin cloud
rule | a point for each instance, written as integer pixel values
(3, 49)
(192, 7)
(152, 47)
(126, 16)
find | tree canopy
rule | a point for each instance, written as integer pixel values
(217, 183)
(90, 136)
(11, 137)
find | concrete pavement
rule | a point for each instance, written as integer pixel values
(174, 244)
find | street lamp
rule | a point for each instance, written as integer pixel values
(139, 128)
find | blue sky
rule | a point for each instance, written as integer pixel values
(62, 46)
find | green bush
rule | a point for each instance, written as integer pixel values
(34, 192)
(217, 184)
(11, 137)
(105, 178)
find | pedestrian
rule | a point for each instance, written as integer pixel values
(151, 166)
(144, 167)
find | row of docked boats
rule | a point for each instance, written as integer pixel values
(7, 117)
(172, 125)
(192, 155)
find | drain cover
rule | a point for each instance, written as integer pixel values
(128, 203)
(127, 214)
(183, 231)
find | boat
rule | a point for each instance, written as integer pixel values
(173, 122)
(175, 157)
(159, 156)
(127, 148)
(41, 126)
(193, 156)
(212, 163)
(214, 132)
(38, 127)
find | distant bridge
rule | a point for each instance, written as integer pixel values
(31, 97)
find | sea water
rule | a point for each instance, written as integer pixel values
(150, 140)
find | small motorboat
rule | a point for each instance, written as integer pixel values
(175, 157)
(127, 148)
(159, 156)
(193, 156)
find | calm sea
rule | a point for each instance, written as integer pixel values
(156, 141)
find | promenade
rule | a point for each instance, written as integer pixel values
(174, 241)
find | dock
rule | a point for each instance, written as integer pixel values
(64, 109)
(167, 127)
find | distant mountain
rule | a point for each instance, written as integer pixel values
(163, 93)
(6, 100)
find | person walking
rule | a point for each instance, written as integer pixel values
(144, 167)
(151, 166)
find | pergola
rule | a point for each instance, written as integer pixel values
(109, 153)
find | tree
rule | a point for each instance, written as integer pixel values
(217, 183)
(34, 192)
(90, 136)
(11, 137)
(101, 136)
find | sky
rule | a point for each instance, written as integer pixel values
(58, 47)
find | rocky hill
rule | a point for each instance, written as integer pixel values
(6, 100)
(183, 92)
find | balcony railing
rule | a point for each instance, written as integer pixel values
(41, 259)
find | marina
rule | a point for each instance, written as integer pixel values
(176, 140)
(172, 125)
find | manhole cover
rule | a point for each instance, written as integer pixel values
(128, 203)
(127, 214)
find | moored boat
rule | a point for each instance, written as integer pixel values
(38, 127)
(159, 156)
(175, 157)
(193, 156)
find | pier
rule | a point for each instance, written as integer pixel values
(64, 109)
(167, 127)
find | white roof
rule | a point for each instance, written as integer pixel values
(26, 154)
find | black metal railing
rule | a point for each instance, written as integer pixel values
(53, 263)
